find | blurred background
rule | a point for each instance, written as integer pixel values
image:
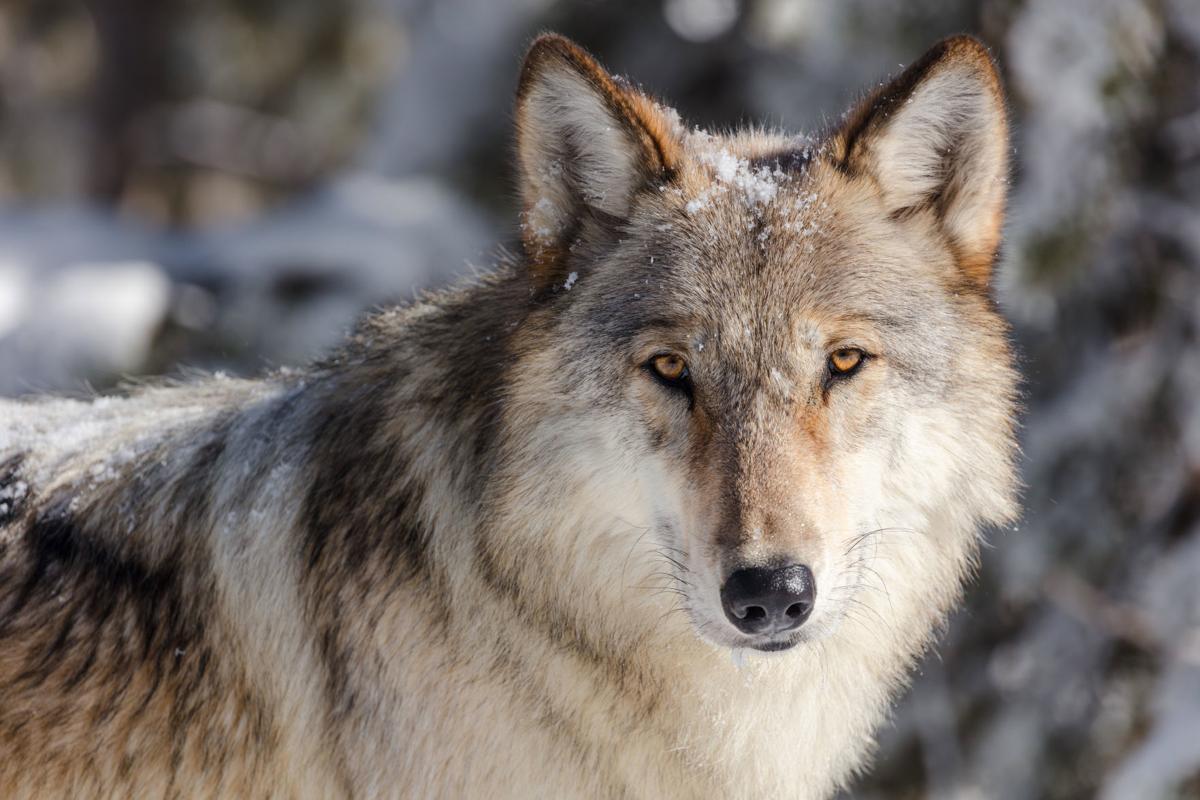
(226, 184)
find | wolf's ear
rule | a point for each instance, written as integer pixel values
(936, 138)
(585, 143)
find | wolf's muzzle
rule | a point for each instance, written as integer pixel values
(766, 600)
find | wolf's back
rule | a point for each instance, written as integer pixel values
(116, 650)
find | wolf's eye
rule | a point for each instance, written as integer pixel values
(672, 372)
(669, 367)
(845, 362)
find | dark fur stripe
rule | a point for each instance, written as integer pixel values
(362, 502)
(98, 581)
(793, 161)
(362, 540)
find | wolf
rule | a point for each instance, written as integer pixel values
(667, 505)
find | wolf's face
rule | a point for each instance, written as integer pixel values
(774, 354)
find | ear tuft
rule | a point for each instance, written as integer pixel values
(585, 143)
(936, 137)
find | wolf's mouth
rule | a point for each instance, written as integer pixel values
(775, 645)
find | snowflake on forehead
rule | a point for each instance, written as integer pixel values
(757, 186)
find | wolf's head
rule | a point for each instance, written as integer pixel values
(769, 363)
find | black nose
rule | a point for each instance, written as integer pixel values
(769, 599)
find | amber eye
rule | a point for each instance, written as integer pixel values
(845, 361)
(669, 367)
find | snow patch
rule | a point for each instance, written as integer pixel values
(541, 219)
(14, 492)
(757, 186)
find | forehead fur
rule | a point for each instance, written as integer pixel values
(758, 230)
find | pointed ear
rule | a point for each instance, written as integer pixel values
(585, 143)
(936, 138)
